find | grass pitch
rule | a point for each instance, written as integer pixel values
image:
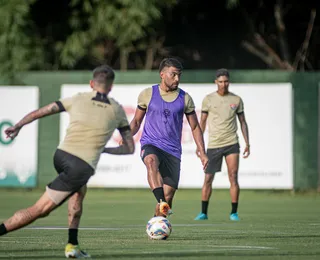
(274, 225)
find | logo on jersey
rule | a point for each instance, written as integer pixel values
(233, 106)
(142, 153)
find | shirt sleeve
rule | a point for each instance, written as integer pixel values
(205, 105)
(189, 107)
(144, 98)
(240, 108)
(65, 104)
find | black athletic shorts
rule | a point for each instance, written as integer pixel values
(215, 156)
(169, 165)
(73, 172)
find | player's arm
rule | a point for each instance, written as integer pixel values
(127, 146)
(196, 131)
(137, 120)
(47, 110)
(143, 103)
(198, 137)
(245, 133)
(203, 120)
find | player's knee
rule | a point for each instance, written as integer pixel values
(208, 180)
(233, 176)
(150, 161)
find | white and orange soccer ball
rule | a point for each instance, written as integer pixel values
(159, 228)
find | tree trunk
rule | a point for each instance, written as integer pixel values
(124, 55)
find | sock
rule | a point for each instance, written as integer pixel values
(204, 207)
(73, 236)
(3, 230)
(159, 194)
(234, 207)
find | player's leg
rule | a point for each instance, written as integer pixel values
(151, 157)
(170, 172)
(232, 161)
(75, 209)
(169, 192)
(215, 161)
(71, 184)
(24, 217)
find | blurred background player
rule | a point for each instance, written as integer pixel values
(220, 109)
(93, 118)
(164, 106)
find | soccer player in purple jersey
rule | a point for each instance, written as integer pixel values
(164, 106)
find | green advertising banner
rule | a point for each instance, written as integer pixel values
(19, 157)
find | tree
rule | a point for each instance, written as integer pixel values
(103, 28)
(20, 46)
(259, 42)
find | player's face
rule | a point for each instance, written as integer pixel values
(223, 84)
(171, 77)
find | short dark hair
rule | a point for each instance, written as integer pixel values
(104, 74)
(170, 62)
(222, 72)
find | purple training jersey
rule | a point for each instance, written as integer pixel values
(163, 124)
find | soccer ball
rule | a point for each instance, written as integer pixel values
(158, 228)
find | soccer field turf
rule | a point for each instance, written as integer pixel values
(274, 225)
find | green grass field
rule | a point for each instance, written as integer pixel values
(274, 225)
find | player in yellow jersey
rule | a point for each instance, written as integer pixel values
(220, 110)
(93, 118)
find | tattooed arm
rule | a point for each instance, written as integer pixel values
(127, 146)
(50, 109)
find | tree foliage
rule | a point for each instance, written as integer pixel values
(102, 27)
(20, 46)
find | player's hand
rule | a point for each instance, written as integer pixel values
(12, 132)
(246, 151)
(121, 142)
(198, 153)
(204, 160)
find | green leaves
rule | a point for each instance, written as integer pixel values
(124, 22)
(18, 43)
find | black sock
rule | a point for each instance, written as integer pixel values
(3, 230)
(73, 236)
(159, 194)
(204, 207)
(234, 207)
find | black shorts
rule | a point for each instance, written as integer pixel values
(215, 156)
(169, 165)
(73, 172)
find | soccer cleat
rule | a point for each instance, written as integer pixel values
(163, 209)
(234, 217)
(74, 251)
(201, 216)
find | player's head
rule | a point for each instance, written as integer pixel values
(222, 81)
(103, 77)
(170, 70)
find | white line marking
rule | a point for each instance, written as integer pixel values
(214, 247)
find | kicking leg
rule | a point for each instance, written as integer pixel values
(24, 217)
